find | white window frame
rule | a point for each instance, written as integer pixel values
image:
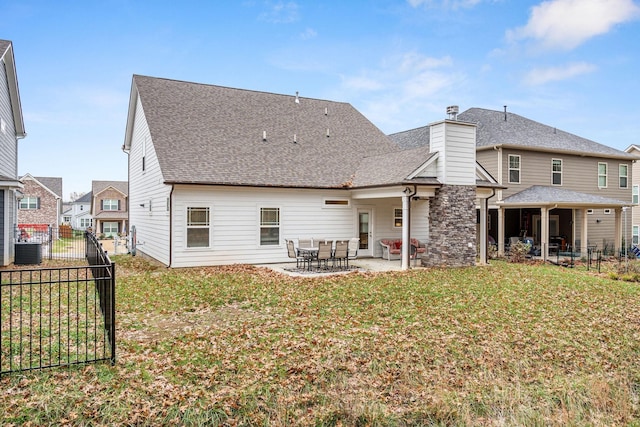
(622, 166)
(602, 175)
(635, 194)
(555, 172)
(519, 168)
(86, 222)
(607, 211)
(110, 224)
(397, 220)
(110, 204)
(263, 224)
(197, 225)
(28, 203)
(589, 211)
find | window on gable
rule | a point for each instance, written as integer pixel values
(397, 217)
(111, 205)
(602, 175)
(30, 202)
(635, 194)
(198, 227)
(269, 226)
(623, 174)
(514, 169)
(556, 171)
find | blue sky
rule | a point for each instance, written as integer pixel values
(572, 64)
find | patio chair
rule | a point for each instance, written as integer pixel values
(293, 253)
(341, 253)
(304, 243)
(324, 252)
(354, 244)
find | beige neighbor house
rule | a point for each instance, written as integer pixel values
(11, 130)
(41, 203)
(109, 207)
(222, 176)
(562, 192)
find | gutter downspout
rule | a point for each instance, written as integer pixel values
(484, 240)
(171, 225)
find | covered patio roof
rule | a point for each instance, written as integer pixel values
(541, 195)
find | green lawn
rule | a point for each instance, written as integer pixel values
(507, 344)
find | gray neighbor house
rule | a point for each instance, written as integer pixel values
(11, 130)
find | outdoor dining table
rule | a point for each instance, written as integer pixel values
(309, 255)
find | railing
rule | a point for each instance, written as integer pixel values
(57, 243)
(58, 316)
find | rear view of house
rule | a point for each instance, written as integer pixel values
(219, 175)
(11, 130)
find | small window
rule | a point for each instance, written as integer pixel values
(636, 229)
(514, 169)
(397, 217)
(602, 175)
(85, 222)
(623, 171)
(198, 223)
(335, 203)
(110, 205)
(636, 194)
(269, 226)
(556, 171)
(607, 211)
(28, 202)
(589, 211)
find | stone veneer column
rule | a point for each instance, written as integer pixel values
(452, 227)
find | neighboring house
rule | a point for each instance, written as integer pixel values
(109, 207)
(81, 212)
(634, 218)
(67, 211)
(561, 190)
(41, 204)
(222, 176)
(11, 130)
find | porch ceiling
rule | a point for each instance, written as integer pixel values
(541, 195)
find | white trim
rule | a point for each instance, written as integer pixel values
(509, 169)
(560, 172)
(606, 174)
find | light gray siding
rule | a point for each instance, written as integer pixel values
(8, 140)
(147, 193)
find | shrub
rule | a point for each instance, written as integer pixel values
(518, 251)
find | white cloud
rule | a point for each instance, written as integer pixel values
(308, 33)
(541, 76)
(281, 12)
(566, 24)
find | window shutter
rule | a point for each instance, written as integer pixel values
(38, 203)
(118, 204)
(101, 204)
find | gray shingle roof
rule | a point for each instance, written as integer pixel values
(98, 186)
(541, 194)
(392, 168)
(214, 135)
(52, 183)
(85, 198)
(4, 45)
(412, 138)
(518, 131)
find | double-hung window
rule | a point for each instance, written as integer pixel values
(269, 226)
(198, 227)
(635, 195)
(623, 174)
(28, 202)
(514, 169)
(602, 175)
(634, 236)
(110, 205)
(556, 171)
(397, 217)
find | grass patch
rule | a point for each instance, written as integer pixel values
(507, 344)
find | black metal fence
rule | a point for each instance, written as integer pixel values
(55, 242)
(58, 316)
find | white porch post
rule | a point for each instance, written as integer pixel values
(501, 231)
(619, 232)
(584, 234)
(406, 243)
(483, 231)
(544, 232)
